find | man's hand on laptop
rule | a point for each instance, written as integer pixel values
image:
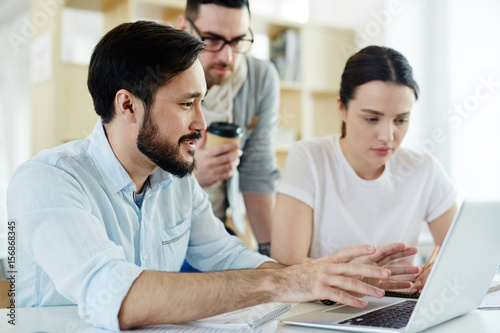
(345, 275)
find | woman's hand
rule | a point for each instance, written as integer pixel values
(421, 279)
(402, 275)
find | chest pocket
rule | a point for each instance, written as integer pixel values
(174, 244)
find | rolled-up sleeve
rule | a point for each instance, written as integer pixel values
(58, 230)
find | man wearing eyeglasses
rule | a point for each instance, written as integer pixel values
(242, 90)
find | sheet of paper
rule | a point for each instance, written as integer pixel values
(495, 283)
(491, 301)
(252, 316)
(267, 328)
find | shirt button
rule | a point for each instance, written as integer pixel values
(145, 257)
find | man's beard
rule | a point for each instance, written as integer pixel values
(162, 152)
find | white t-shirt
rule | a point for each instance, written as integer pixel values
(349, 210)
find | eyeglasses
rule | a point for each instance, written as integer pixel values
(215, 43)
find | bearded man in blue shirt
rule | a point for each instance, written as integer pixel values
(106, 222)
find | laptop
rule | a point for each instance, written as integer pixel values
(460, 277)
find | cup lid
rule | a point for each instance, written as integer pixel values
(227, 130)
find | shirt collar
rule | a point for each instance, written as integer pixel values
(114, 176)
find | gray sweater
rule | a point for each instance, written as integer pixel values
(259, 97)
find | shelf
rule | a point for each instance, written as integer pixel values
(324, 91)
(173, 4)
(273, 25)
(326, 118)
(308, 93)
(95, 5)
(283, 148)
(291, 86)
(158, 14)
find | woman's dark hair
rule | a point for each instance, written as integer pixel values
(375, 63)
(193, 6)
(139, 57)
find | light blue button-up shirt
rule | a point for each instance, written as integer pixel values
(82, 239)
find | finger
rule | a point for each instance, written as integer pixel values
(235, 163)
(220, 169)
(421, 279)
(385, 250)
(351, 285)
(397, 255)
(393, 285)
(423, 276)
(213, 174)
(354, 270)
(404, 277)
(382, 252)
(402, 270)
(343, 297)
(226, 159)
(223, 176)
(358, 295)
(424, 273)
(349, 253)
(417, 287)
(224, 149)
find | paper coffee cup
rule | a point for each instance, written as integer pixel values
(220, 132)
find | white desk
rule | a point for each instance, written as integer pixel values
(65, 319)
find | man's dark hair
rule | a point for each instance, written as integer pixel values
(375, 63)
(193, 6)
(139, 57)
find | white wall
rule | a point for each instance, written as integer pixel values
(14, 96)
(420, 31)
(454, 49)
(366, 17)
(474, 113)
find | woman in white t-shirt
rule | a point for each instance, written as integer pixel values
(360, 187)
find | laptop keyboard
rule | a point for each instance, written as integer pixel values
(394, 316)
(403, 294)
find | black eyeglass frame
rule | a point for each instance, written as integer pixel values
(216, 37)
